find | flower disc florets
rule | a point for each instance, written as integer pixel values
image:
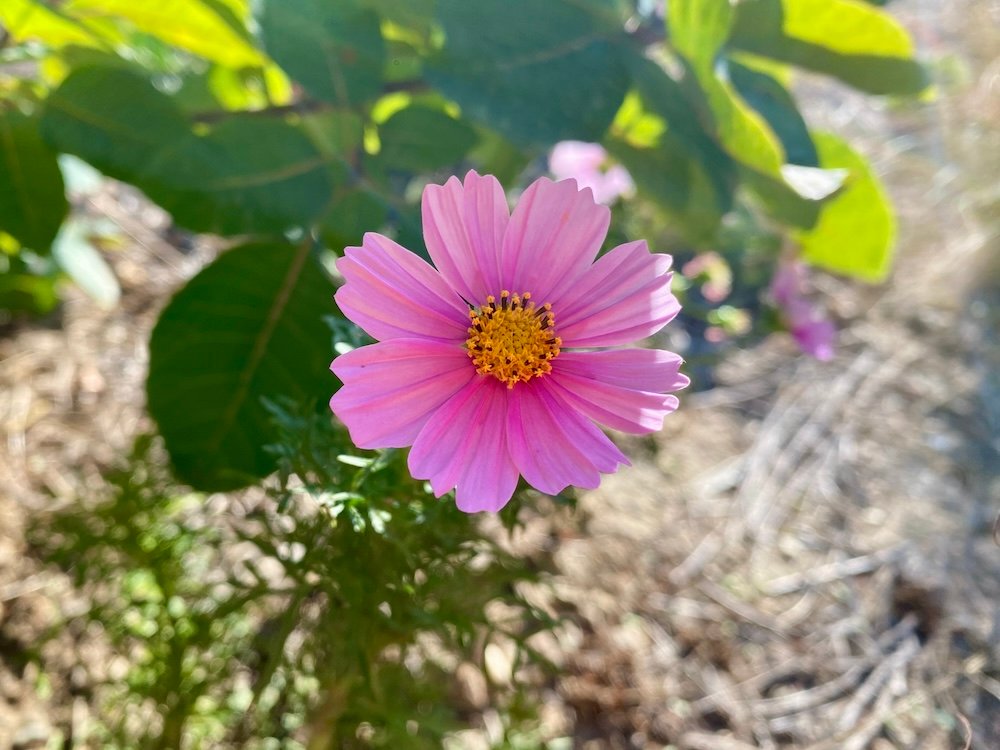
(513, 340)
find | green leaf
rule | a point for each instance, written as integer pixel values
(862, 45)
(742, 132)
(32, 197)
(856, 230)
(768, 97)
(334, 49)
(846, 27)
(535, 72)
(667, 175)
(698, 28)
(660, 95)
(22, 291)
(225, 182)
(421, 139)
(247, 327)
(32, 19)
(112, 118)
(780, 200)
(220, 181)
(204, 28)
(415, 14)
(337, 133)
(349, 217)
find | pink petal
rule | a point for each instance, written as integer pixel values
(553, 237)
(553, 446)
(625, 296)
(392, 388)
(464, 445)
(391, 293)
(620, 389)
(464, 225)
(816, 338)
(653, 370)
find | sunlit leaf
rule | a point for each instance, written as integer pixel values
(769, 98)
(847, 27)
(334, 49)
(248, 326)
(203, 28)
(33, 19)
(535, 72)
(860, 44)
(32, 196)
(699, 28)
(637, 126)
(856, 231)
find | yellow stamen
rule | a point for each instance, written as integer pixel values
(514, 341)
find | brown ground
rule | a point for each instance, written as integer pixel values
(804, 558)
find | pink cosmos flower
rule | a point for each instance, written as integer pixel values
(812, 331)
(492, 364)
(587, 164)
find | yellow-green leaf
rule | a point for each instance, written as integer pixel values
(32, 20)
(854, 41)
(192, 25)
(848, 27)
(698, 29)
(856, 230)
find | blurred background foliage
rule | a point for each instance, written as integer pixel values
(294, 126)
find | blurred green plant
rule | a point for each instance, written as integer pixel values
(327, 613)
(303, 123)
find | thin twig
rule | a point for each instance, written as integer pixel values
(835, 571)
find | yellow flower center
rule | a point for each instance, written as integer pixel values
(512, 340)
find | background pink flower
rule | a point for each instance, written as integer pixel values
(587, 163)
(491, 363)
(811, 329)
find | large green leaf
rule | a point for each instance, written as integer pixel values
(247, 327)
(856, 230)
(698, 29)
(537, 72)
(334, 49)
(420, 139)
(32, 196)
(204, 28)
(226, 182)
(243, 176)
(858, 43)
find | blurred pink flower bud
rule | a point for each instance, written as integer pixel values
(809, 326)
(587, 163)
